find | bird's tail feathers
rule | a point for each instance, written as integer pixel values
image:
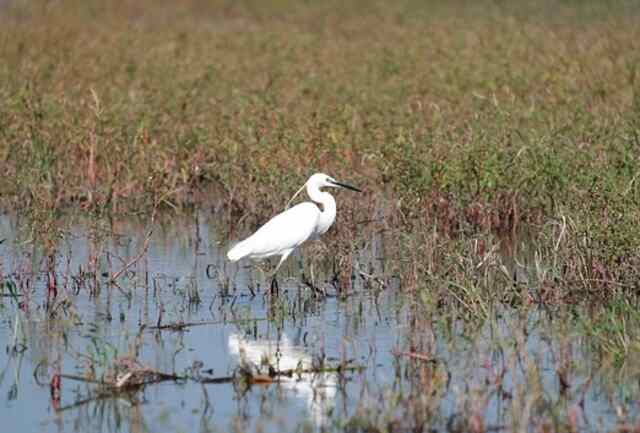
(238, 251)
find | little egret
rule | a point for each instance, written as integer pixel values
(290, 228)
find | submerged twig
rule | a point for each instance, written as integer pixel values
(274, 375)
(179, 326)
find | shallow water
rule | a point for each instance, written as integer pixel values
(232, 327)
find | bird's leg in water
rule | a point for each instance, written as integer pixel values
(275, 289)
(310, 284)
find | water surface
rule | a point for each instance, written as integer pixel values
(184, 278)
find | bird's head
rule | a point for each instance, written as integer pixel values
(321, 180)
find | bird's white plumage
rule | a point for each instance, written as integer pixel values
(289, 229)
(283, 232)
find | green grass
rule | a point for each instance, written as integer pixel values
(109, 105)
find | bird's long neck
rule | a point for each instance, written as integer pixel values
(328, 213)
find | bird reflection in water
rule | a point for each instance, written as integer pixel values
(317, 390)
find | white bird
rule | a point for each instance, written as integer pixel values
(290, 228)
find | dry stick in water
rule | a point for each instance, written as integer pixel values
(273, 375)
(110, 390)
(415, 355)
(316, 290)
(145, 248)
(149, 376)
(179, 326)
(133, 261)
(370, 277)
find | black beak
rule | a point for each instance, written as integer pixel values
(344, 185)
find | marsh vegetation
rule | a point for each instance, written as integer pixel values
(488, 278)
